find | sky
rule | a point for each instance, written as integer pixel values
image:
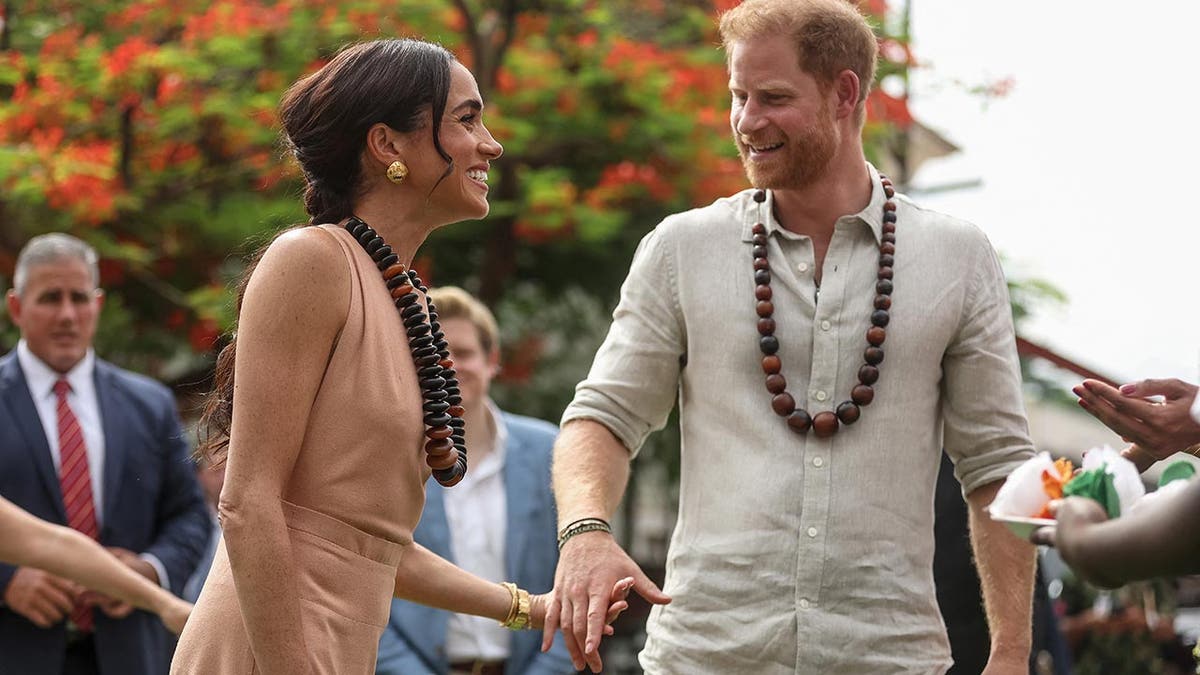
(1087, 168)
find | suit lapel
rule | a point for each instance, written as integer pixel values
(15, 394)
(108, 394)
(518, 486)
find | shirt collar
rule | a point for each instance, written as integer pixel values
(41, 377)
(501, 448)
(871, 215)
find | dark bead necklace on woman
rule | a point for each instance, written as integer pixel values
(446, 449)
(824, 424)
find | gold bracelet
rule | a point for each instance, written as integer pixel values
(519, 617)
(1193, 450)
(512, 610)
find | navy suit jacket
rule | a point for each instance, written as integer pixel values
(414, 641)
(152, 504)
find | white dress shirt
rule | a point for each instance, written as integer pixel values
(477, 513)
(82, 399)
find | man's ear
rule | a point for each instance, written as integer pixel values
(13, 302)
(493, 360)
(847, 88)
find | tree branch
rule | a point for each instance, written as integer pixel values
(473, 36)
(509, 25)
(126, 157)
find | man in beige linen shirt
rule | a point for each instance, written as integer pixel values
(795, 553)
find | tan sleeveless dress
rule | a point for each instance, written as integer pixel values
(355, 495)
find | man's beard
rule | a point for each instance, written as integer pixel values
(800, 162)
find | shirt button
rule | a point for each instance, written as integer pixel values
(818, 462)
(825, 325)
(803, 267)
(821, 396)
(812, 531)
(804, 603)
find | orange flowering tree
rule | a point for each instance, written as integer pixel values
(149, 129)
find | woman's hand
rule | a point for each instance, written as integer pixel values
(616, 604)
(174, 613)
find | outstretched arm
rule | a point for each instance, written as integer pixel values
(1006, 566)
(32, 542)
(629, 391)
(1159, 538)
(427, 578)
(591, 468)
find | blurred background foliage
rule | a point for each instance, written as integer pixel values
(148, 128)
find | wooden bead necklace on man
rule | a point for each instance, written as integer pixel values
(824, 424)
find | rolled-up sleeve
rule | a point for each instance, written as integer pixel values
(986, 433)
(632, 385)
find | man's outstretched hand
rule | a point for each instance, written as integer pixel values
(591, 569)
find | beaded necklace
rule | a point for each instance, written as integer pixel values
(446, 449)
(824, 424)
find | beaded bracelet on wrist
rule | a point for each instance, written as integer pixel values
(824, 424)
(580, 526)
(445, 449)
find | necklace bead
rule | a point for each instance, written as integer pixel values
(800, 421)
(826, 423)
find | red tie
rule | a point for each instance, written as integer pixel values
(76, 483)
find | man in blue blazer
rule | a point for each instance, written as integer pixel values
(128, 479)
(498, 523)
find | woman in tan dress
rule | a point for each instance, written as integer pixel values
(341, 407)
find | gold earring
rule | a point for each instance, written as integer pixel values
(397, 171)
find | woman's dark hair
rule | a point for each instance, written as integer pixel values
(325, 117)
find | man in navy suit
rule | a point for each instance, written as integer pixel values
(498, 523)
(88, 445)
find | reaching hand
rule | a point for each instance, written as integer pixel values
(40, 596)
(174, 613)
(135, 563)
(589, 569)
(1158, 428)
(112, 607)
(1073, 517)
(541, 604)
